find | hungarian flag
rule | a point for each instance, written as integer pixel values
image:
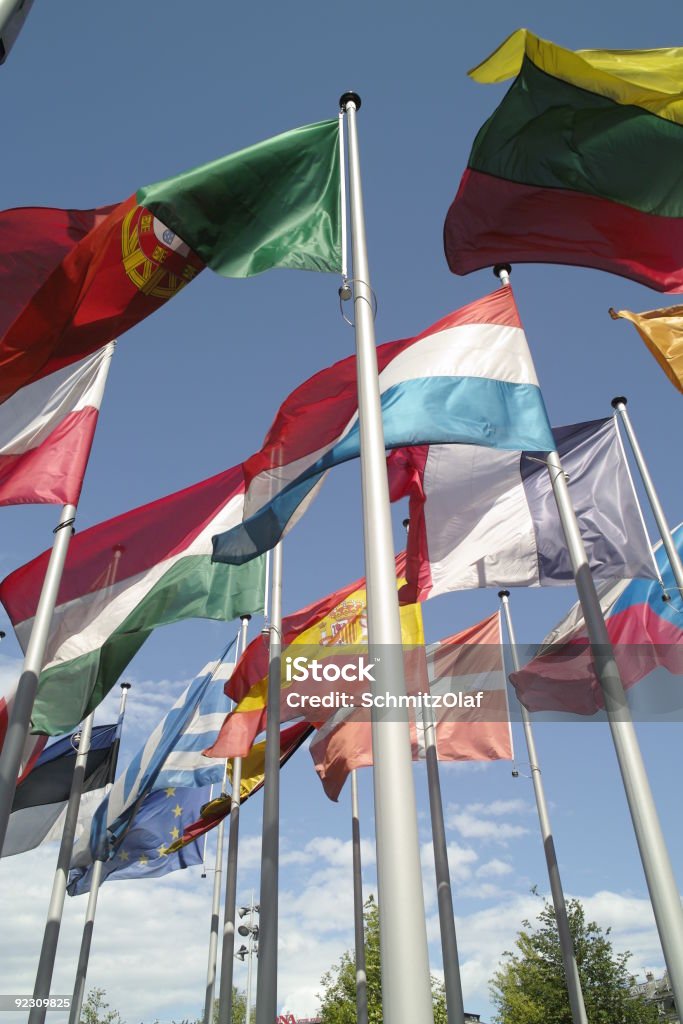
(46, 432)
(71, 280)
(323, 630)
(34, 745)
(645, 626)
(40, 800)
(580, 164)
(253, 777)
(485, 518)
(123, 578)
(467, 688)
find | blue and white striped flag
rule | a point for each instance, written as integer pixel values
(172, 756)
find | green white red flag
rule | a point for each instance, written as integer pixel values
(124, 577)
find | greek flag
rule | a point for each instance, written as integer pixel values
(171, 757)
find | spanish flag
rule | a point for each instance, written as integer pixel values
(580, 164)
(339, 619)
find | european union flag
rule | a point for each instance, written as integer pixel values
(142, 854)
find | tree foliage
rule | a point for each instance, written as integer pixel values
(530, 987)
(96, 1011)
(338, 1003)
(239, 1008)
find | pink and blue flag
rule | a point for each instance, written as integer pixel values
(469, 379)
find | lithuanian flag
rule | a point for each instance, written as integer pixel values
(580, 164)
(71, 280)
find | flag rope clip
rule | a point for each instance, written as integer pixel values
(345, 295)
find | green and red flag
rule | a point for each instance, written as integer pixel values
(580, 164)
(71, 280)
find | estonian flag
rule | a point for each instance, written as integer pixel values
(40, 800)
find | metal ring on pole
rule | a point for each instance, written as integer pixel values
(67, 522)
(342, 298)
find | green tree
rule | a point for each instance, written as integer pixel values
(529, 987)
(239, 1008)
(96, 1011)
(338, 1003)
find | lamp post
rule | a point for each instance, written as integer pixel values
(250, 932)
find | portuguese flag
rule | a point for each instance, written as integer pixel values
(71, 280)
(580, 164)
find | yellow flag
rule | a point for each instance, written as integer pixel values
(662, 332)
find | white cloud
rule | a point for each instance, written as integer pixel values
(494, 869)
(500, 808)
(472, 827)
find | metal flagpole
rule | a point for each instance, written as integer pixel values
(228, 948)
(48, 952)
(406, 984)
(215, 915)
(22, 706)
(206, 838)
(266, 979)
(361, 972)
(571, 971)
(661, 883)
(455, 1007)
(619, 404)
(95, 881)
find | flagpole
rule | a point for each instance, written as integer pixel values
(22, 705)
(215, 915)
(95, 880)
(571, 971)
(266, 979)
(455, 1007)
(619, 405)
(228, 948)
(661, 883)
(48, 952)
(406, 983)
(361, 970)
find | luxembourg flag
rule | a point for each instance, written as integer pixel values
(46, 432)
(469, 379)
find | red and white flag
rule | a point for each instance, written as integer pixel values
(46, 432)
(468, 691)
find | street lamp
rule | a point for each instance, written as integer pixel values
(250, 932)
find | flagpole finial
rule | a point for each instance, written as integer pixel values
(245, 618)
(125, 686)
(406, 524)
(502, 271)
(503, 593)
(349, 97)
(619, 400)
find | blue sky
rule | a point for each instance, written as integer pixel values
(101, 99)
